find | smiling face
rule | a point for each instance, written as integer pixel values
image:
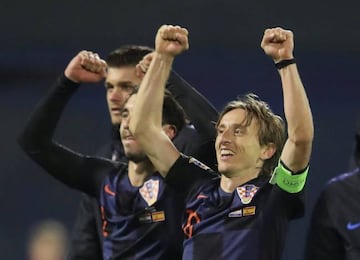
(237, 144)
(132, 148)
(120, 83)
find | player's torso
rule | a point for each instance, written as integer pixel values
(140, 222)
(250, 220)
(345, 212)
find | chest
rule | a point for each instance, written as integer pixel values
(248, 207)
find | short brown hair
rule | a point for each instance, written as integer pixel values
(271, 126)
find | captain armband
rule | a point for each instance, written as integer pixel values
(287, 181)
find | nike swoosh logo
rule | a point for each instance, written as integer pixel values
(351, 226)
(201, 196)
(108, 191)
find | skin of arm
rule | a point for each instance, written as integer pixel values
(200, 141)
(279, 44)
(145, 123)
(201, 112)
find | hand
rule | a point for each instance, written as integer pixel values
(86, 67)
(171, 40)
(143, 65)
(278, 44)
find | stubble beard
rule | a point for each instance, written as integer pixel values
(136, 158)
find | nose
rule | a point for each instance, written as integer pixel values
(125, 122)
(114, 94)
(224, 136)
(118, 95)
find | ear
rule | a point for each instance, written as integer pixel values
(170, 130)
(268, 151)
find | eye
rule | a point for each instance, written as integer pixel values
(124, 114)
(129, 88)
(239, 131)
(108, 87)
(219, 131)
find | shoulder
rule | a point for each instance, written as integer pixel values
(341, 186)
(187, 162)
(187, 171)
(345, 177)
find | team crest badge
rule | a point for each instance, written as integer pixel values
(149, 191)
(247, 192)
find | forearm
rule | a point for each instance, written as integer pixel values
(148, 109)
(146, 118)
(46, 113)
(296, 106)
(297, 150)
(36, 141)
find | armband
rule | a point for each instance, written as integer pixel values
(284, 63)
(292, 183)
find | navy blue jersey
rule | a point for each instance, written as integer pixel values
(195, 139)
(138, 222)
(249, 223)
(334, 231)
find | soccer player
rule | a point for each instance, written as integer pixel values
(122, 78)
(334, 231)
(244, 213)
(140, 213)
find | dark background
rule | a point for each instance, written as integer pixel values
(39, 37)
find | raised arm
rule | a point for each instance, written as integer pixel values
(279, 44)
(36, 138)
(200, 111)
(146, 121)
(198, 138)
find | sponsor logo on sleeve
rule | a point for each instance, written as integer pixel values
(201, 196)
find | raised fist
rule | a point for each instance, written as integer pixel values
(144, 64)
(278, 44)
(171, 40)
(86, 67)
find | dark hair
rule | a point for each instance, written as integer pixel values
(271, 126)
(173, 113)
(127, 55)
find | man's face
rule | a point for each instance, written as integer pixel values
(132, 148)
(119, 83)
(237, 146)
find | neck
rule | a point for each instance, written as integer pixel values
(139, 172)
(230, 183)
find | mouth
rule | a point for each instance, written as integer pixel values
(116, 111)
(226, 153)
(128, 138)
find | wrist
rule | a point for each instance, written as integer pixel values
(284, 63)
(164, 57)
